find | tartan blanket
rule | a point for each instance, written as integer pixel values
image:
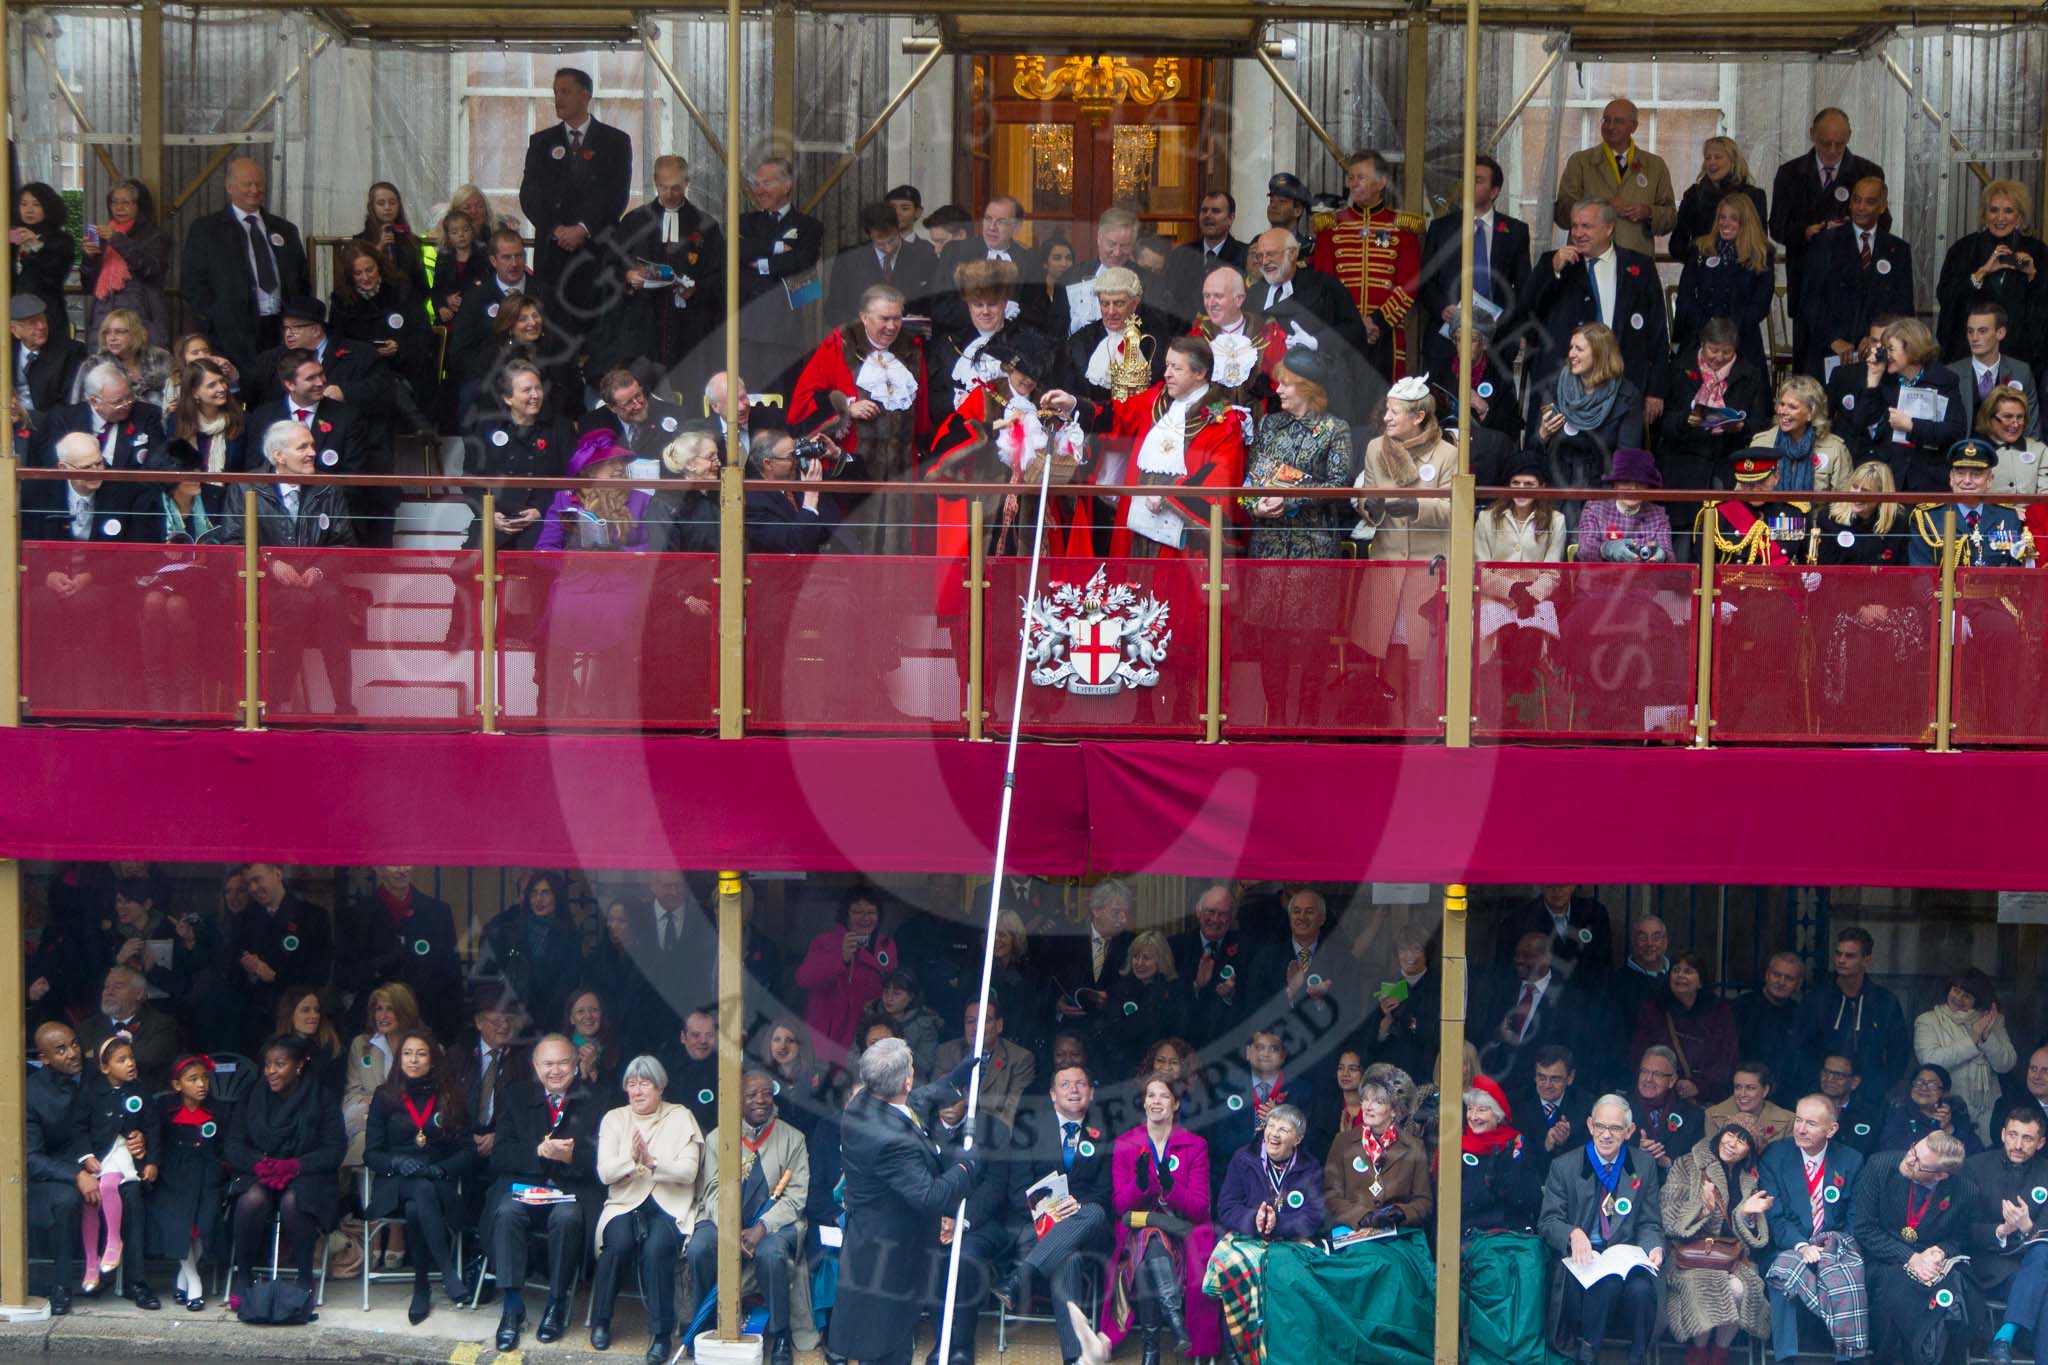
(1236, 1280)
(1831, 1289)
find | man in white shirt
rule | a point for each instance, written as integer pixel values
(240, 265)
(1817, 1265)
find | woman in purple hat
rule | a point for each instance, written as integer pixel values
(597, 608)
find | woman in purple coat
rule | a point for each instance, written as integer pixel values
(1272, 1192)
(1160, 1175)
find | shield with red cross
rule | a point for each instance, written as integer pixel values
(1094, 650)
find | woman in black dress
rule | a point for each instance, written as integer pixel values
(418, 1144)
(285, 1145)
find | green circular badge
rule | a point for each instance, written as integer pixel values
(1086, 1149)
(1358, 1164)
(1173, 1163)
(2041, 1194)
(367, 1059)
(420, 948)
(1677, 1122)
(1831, 1195)
(208, 1128)
(1585, 935)
(1228, 972)
(1471, 1160)
(705, 1096)
(291, 943)
(1945, 1298)
(1295, 1199)
(1130, 1008)
(1623, 1207)
(133, 1104)
(1234, 1103)
(1862, 1130)
(882, 958)
(1314, 980)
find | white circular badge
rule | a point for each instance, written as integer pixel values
(1848, 402)
(1643, 179)
(558, 153)
(1471, 1160)
(1485, 389)
(1884, 267)
(420, 947)
(395, 321)
(323, 521)
(291, 943)
(1295, 1199)
(1358, 1164)
(277, 239)
(1623, 1207)
(491, 311)
(1172, 1163)
(112, 526)
(1427, 473)
(2041, 1194)
(1314, 980)
(668, 424)
(1945, 1298)
(133, 1104)
(498, 438)
(1841, 194)
(1130, 1007)
(1713, 262)
(1635, 320)
(704, 1096)
(1845, 538)
(1585, 935)
(329, 458)
(1862, 1130)
(208, 1128)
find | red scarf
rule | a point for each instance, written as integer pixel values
(1492, 1140)
(194, 1117)
(1378, 1146)
(399, 910)
(113, 270)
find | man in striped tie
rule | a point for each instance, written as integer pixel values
(1818, 1266)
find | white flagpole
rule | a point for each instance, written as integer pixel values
(995, 892)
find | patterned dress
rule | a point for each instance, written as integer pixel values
(1319, 447)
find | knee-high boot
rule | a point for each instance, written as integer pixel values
(1162, 1278)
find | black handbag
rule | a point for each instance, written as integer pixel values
(277, 1303)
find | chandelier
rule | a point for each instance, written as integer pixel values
(1097, 84)
(1052, 159)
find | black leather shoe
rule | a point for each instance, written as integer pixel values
(422, 1304)
(784, 1350)
(1011, 1291)
(60, 1300)
(600, 1336)
(551, 1321)
(657, 1351)
(508, 1331)
(143, 1297)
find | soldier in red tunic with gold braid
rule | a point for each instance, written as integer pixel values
(1376, 254)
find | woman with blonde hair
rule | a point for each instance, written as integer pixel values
(1873, 634)
(1729, 273)
(1594, 411)
(392, 1010)
(1147, 1002)
(1810, 456)
(1516, 615)
(2005, 418)
(1410, 455)
(2000, 263)
(123, 340)
(1723, 171)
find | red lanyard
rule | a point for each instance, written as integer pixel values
(1913, 1216)
(419, 1116)
(755, 1145)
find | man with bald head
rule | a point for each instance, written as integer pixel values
(241, 264)
(1247, 345)
(61, 1172)
(1314, 310)
(1636, 182)
(1810, 194)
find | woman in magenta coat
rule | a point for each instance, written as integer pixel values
(843, 972)
(1160, 1175)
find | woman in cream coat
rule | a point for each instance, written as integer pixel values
(1402, 606)
(648, 1154)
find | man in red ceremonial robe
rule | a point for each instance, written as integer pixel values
(1248, 346)
(1187, 436)
(862, 386)
(1376, 254)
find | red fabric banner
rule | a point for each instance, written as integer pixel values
(1324, 812)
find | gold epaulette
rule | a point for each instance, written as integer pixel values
(1802, 506)
(1924, 522)
(1411, 222)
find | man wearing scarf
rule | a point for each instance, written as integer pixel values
(399, 933)
(862, 386)
(1605, 1195)
(1911, 1217)
(2012, 1184)
(1187, 437)
(775, 1181)
(1818, 1265)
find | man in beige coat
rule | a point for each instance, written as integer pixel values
(1636, 182)
(773, 1238)
(1011, 1070)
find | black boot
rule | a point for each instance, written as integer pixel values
(1162, 1279)
(1151, 1356)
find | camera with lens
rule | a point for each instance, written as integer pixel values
(828, 456)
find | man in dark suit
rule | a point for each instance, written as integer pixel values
(373, 396)
(1605, 1191)
(400, 933)
(128, 433)
(1190, 262)
(277, 941)
(72, 605)
(643, 425)
(691, 1060)
(1809, 1180)
(885, 257)
(486, 1063)
(1116, 244)
(1593, 280)
(1517, 1013)
(1810, 194)
(573, 189)
(996, 241)
(1550, 1112)
(469, 335)
(1500, 262)
(125, 1009)
(1060, 1137)
(44, 369)
(1213, 959)
(1081, 966)
(1764, 1019)
(303, 397)
(546, 1135)
(240, 266)
(991, 1223)
(1853, 272)
(62, 1174)
(1581, 933)
(1315, 309)
(2031, 1097)
(663, 323)
(779, 248)
(1986, 366)
(899, 1182)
